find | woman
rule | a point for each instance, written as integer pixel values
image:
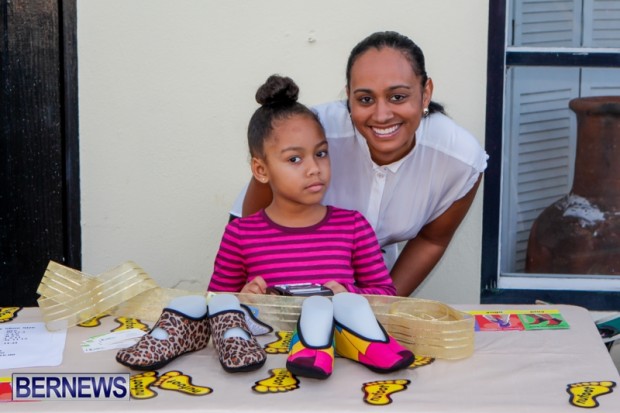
(396, 157)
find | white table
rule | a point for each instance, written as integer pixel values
(510, 371)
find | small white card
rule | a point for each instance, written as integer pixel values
(30, 345)
(111, 341)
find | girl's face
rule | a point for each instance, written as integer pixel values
(296, 162)
(387, 101)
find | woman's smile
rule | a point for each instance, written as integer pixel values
(386, 132)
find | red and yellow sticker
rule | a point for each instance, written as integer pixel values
(6, 392)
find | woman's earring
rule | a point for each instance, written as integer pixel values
(425, 112)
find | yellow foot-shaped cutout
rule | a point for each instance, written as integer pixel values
(93, 322)
(177, 381)
(280, 346)
(378, 392)
(584, 394)
(8, 313)
(420, 361)
(140, 385)
(127, 323)
(280, 381)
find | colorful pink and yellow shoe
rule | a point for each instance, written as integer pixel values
(307, 361)
(381, 356)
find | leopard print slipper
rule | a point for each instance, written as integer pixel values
(185, 334)
(236, 354)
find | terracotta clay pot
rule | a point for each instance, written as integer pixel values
(580, 233)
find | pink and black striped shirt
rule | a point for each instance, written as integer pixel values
(342, 247)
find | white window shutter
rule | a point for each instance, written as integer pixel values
(601, 23)
(600, 82)
(544, 23)
(538, 152)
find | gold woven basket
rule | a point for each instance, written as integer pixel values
(428, 328)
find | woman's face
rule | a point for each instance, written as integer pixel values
(387, 101)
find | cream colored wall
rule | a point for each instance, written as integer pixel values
(166, 89)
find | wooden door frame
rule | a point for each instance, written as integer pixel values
(69, 62)
(39, 144)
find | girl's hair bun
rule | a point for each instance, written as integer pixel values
(277, 90)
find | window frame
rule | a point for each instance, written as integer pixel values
(499, 57)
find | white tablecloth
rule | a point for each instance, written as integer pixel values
(510, 371)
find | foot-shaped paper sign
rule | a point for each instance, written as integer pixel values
(280, 381)
(379, 393)
(585, 394)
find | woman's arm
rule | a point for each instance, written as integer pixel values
(422, 253)
(257, 197)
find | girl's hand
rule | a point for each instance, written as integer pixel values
(256, 286)
(336, 287)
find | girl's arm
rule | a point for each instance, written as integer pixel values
(379, 288)
(422, 253)
(256, 286)
(258, 196)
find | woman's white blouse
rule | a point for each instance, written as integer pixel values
(400, 198)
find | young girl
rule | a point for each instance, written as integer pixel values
(296, 239)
